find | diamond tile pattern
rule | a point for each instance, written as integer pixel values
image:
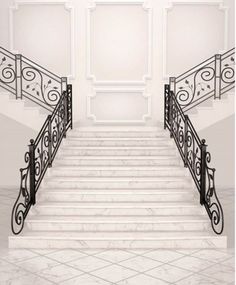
(109, 267)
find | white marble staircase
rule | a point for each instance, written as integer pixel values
(118, 189)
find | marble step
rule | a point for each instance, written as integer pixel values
(118, 160)
(118, 134)
(117, 223)
(118, 183)
(149, 171)
(117, 208)
(100, 195)
(129, 240)
(75, 141)
(113, 151)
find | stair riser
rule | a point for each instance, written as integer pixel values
(117, 227)
(117, 173)
(159, 134)
(100, 162)
(213, 242)
(118, 211)
(110, 143)
(117, 185)
(115, 152)
(59, 197)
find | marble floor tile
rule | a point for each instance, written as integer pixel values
(86, 279)
(192, 263)
(114, 273)
(168, 273)
(142, 279)
(229, 262)
(60, 273)
(140, 263)
(29, 279)
(164, 255)
(115, 256)
(17, 255)
(88, 263)
(9, 271)
(66, 255)
(197, 279)
(220, 272)
(211, 255)
(37, 264)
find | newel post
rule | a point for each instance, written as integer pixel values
(172, 84)
(217, 94)
(203, 172)
(32, 171)
(18, 60)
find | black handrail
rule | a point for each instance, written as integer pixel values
(40, 156)
(25, 78)
(195, 156)
(211, 78)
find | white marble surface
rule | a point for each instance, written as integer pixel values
(136, 266)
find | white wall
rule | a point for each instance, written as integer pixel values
(14, 140)
(117, 47)
(220, 139)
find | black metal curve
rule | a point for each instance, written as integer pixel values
(41, 153)
(195, 157)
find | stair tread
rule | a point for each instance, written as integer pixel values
(118, 157)
(116, 219)
(119, 147)
(120, 205)
(169, 191)
(118, 138)
(158, 167)
(117, 235)
(120, 179)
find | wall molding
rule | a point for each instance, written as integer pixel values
(171, 5)
(67, 7)
(145, 76)
(142, 92)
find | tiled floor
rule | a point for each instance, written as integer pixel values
(121, 267)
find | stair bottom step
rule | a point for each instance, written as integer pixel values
(119, 240)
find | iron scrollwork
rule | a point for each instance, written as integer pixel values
(212, 203)
(197, 85)
(22, 203)
(41, 153)
(7, 70)
(195, 157)
(44, 88)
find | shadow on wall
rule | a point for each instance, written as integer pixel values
(221, 144)
(13, 145)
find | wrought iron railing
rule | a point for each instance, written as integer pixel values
(195, 156)
(40, 156)
(211, 78)
(24, 78)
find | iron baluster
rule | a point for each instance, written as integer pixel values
(65, 112)
(18, 59)
(32, 171)
(203, 172)
(186, 141)
(49, 140)
(217, 92)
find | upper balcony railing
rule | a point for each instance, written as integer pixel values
(211, 78)
(25, 78)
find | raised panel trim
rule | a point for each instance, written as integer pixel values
(146, 76)
(171, 5)
(67, 7)
(145, 116)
